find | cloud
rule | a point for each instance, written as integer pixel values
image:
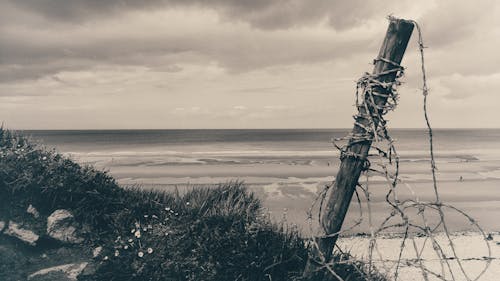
(461, 87)
(262, 63)
(258, 90)
(277, 14)
(164, 41)
(449, 22)
(44, 37)
(169, 68)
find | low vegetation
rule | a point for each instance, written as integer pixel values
(213, 233)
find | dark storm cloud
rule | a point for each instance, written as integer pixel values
(44, 37)
(246, 63)
(32, 46)
(24, 59)
(259, 13)
(38, 70)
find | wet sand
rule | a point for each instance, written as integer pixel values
(292, 198)
(478, 198)
(287, 168)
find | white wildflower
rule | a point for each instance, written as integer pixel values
(150, 250)
(140, 254)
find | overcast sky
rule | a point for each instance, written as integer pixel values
(91, 64)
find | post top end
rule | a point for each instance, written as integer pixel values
(392, 18)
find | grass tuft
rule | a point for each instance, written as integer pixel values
(212, 233)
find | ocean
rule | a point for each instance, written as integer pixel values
(286, 167)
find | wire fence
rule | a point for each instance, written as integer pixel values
(424, 242)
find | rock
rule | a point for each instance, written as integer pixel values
(97, 251)
(61, 226)
(51, 276)
(61, 272)
(25, 235)
(33, 211)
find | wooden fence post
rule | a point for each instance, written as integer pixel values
(338, 199)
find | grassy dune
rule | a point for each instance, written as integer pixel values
(216, 233)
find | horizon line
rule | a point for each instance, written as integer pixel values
(159, 129)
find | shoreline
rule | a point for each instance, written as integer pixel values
(479, 198)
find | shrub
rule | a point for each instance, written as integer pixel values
(212, 233)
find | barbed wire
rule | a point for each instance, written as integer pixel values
(384, 151)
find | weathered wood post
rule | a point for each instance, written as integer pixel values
(338, 199)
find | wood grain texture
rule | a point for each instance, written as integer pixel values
(340, 195)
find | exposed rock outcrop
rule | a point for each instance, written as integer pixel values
(61, 272)
(33, 211)
(16, 230)
(97, 251)
(61, 225)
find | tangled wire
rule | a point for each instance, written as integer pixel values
(371, 119)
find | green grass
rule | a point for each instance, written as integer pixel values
(216, 233)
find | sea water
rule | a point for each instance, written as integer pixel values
(215, 155)
(288, 167)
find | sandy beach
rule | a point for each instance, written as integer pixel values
(478, 198)
(472, 249)
(116, 112)
(287, 177)
(289, 202)
(287, 168)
